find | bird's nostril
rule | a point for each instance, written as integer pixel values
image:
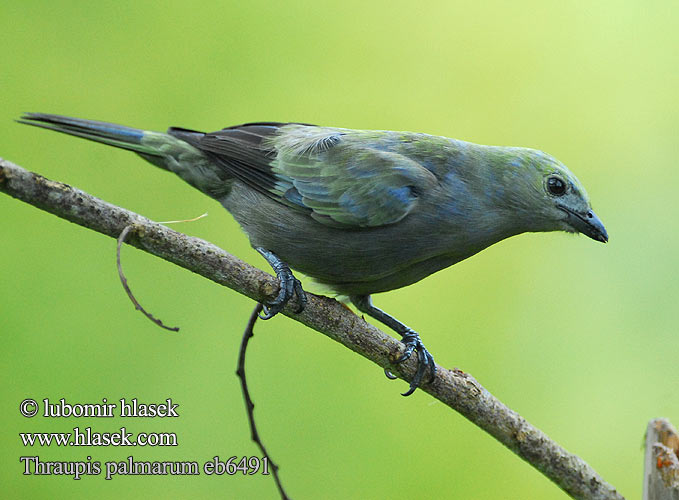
(590, 215)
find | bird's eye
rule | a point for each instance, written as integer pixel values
(556, 186)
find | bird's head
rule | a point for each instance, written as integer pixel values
(551, 196)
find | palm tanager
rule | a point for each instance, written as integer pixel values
(360, 211)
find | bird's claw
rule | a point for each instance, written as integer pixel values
(301, 296)
(425, 360)
(288, 287)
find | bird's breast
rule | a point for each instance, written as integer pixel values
(357, 260)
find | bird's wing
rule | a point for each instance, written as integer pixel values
(340, 177)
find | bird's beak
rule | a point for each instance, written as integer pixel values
(587, 223)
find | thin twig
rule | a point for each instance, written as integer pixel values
(123, 281)
(249, 405)
(458, 390)
(183, 220)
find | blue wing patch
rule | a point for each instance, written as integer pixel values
(346, 177)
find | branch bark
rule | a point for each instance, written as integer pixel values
(661, 463)
(457, 389)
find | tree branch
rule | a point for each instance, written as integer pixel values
(457, 389)
(661, 462)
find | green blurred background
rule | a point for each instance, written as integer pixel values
(578, 337)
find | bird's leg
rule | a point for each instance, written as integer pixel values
(409, 337)
(288, 285)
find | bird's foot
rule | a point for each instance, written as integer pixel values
(409, 337)
(288, 287)
(425, 361)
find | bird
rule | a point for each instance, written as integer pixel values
(360, 211)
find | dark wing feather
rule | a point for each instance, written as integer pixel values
(240, 150)
(341, 177)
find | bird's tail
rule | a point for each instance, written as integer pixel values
(164, 150)
(119, 136)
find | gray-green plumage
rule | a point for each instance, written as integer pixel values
(361, 211)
